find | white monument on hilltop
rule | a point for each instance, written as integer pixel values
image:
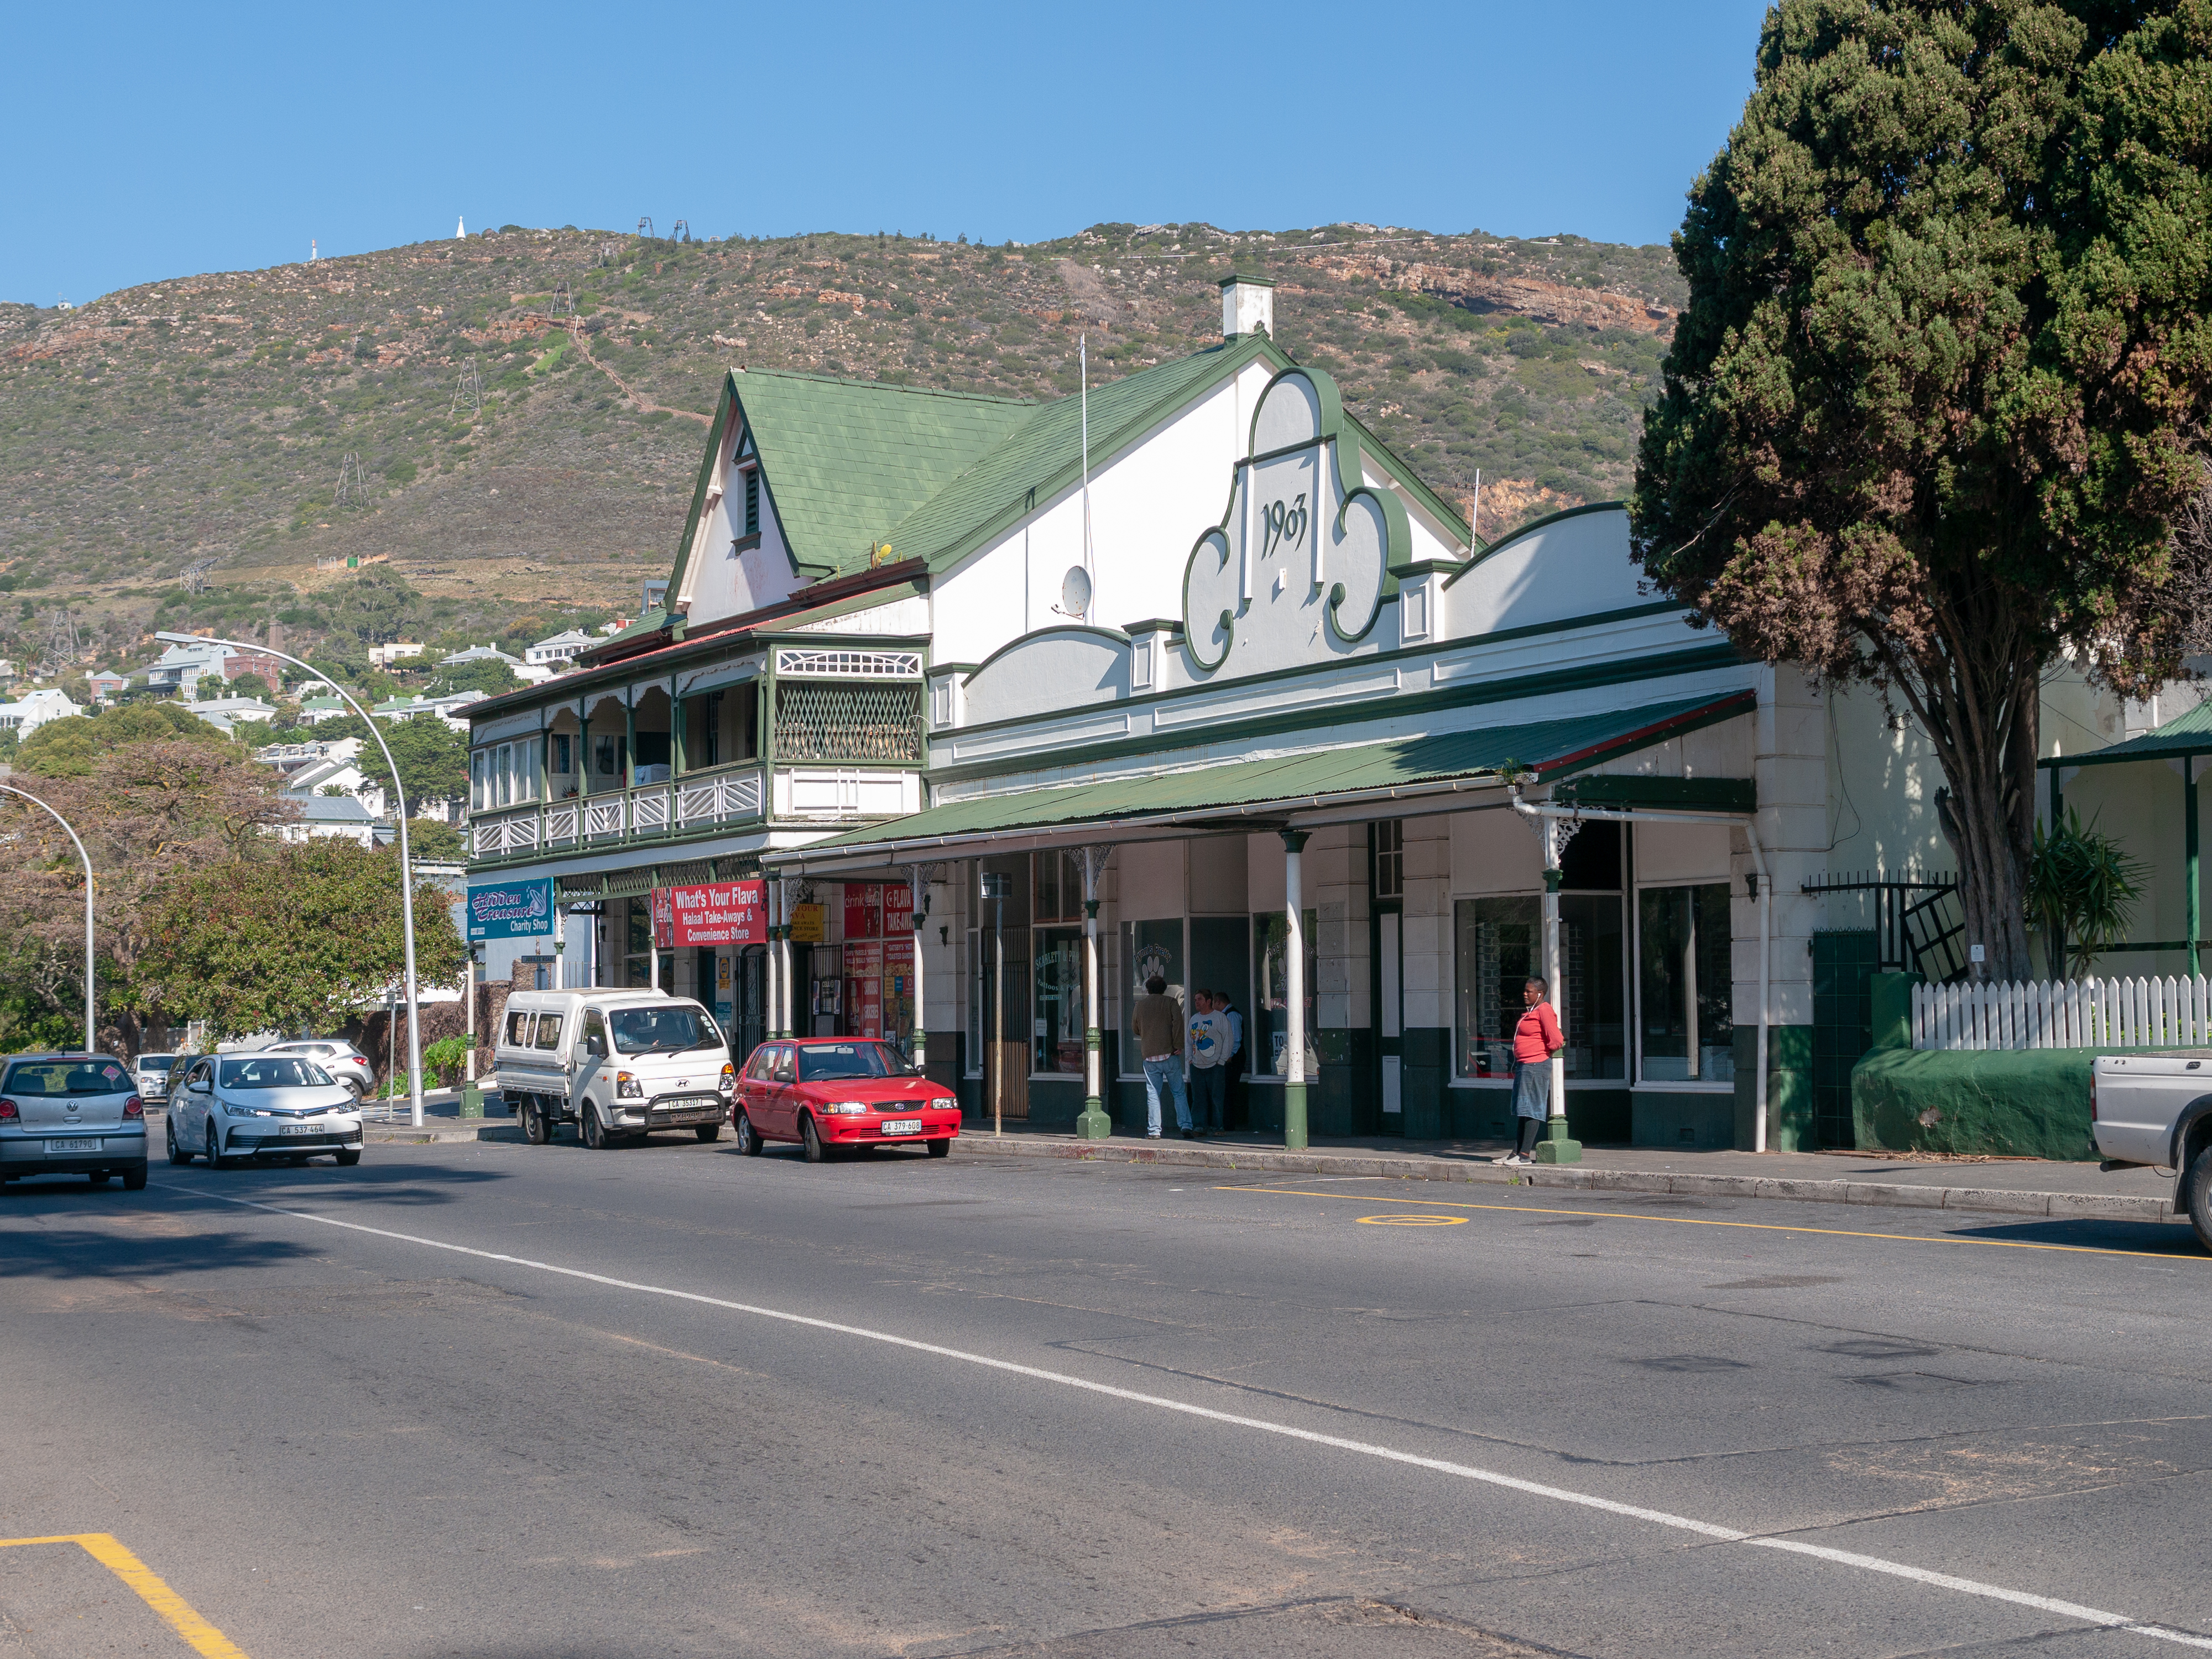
(460, 226)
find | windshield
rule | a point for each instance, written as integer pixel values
(156, 1062)
(68, 1077)
(274, 1071)
(820, 1062)
(662, 1030)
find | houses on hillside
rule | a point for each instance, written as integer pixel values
(34, 709)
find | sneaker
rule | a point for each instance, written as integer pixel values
(1515, 1159)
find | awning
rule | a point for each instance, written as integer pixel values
(2186, 734)
(1258, 792)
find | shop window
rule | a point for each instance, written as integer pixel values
(1685, 996)
(1498, 944)
(1059, 1020)
(1390, 859)
(1149, 948)
(1268, 1040)
(1059, 887)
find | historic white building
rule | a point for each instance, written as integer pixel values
(1230, 690)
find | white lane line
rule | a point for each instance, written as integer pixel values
(1464, 1471)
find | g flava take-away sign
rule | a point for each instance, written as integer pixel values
(510, 909)
(713, 912)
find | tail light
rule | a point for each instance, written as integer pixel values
(729, 1077)
(7, 1112)
(134, 1107)
(2093, 1094)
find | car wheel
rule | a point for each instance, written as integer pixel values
(708, 1132)
(134, 1178)
(535, 1129)
(810, 1139)
(214, 1152)
(2198, 1184)
(748, 1141)
(941, 1148)
(589, 1130)
(176, 1154)
(98, 1177)
(348, 1158)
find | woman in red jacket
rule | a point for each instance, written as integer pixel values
(1536, 1041)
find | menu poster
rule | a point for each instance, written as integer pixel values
(864, 909)
(806, 924)
(864, 977)
(898, 910)
(716, 912)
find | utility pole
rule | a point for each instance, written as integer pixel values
(468, 388)
(999, 887)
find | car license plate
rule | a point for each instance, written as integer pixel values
(73, 1146)
(300, 1128)
(904, 1126)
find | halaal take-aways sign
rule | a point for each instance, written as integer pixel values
(711, 913)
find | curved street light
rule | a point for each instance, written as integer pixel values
(90, 1031)
(406, 864)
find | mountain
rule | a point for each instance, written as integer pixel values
(511, 422)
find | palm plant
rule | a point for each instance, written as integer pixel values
(2082, 889)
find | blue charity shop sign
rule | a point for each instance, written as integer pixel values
(513, 910)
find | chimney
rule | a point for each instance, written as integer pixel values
(1248, 305)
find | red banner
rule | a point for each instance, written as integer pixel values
(864, 909)
(716, 912)
(898, 910)
(864, 974)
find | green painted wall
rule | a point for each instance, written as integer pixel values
(1789, 1087)
(1662, 1115)
(1424, 1076)
(2031, 1103)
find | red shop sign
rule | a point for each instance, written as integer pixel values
(864, 909)
(715, 913)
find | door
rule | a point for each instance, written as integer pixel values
(191, 1104)
(589, 1048)
(751, 1019)
(1391, 1016)
(782, 1094)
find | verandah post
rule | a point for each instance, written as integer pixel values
(1557, 1146)
(1094, 1123)
(1294, 996)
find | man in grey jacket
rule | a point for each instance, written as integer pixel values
(1158, 1021)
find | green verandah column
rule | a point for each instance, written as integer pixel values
(1094, 1123)
(1556, 1147)
(1294, 995)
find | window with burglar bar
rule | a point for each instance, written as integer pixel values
(832, 722)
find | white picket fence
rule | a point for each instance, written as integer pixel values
(2083, 1013)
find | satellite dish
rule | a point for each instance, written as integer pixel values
(1075, 591)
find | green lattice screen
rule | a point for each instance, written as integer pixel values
(826, 721)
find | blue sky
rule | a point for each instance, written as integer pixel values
(146, 141)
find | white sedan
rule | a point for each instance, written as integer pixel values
(259, 1107)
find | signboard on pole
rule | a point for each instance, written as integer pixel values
(717, 913)
(807, 926)
(510, 909)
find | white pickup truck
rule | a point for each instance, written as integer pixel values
(2156, 1110)
(617, 1064)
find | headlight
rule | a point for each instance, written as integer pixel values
(237, 1110)
(849, 1106)
(945, 1104)
(627, 1087)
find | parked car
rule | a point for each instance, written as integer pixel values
(71, 1113)
(833, 1094)
(260, 1106)
(617, 1064)
(344, 1062)
(153, 1075)
(2156, 1110)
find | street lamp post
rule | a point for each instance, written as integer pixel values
(406, 863)
(91, 1029)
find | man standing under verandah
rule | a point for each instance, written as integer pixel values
(1159, 1022)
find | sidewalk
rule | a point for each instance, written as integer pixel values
(2010, 1186)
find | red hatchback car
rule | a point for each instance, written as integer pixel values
(832, 1093)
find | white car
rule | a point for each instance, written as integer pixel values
(231, 1108)
(344, 1062)
(153, 1075)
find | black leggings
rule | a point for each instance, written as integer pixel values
(1528, 1128)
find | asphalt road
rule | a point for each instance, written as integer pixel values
(543, 1403)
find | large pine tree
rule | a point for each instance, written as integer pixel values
(1941, 390)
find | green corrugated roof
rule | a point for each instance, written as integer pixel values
(1045, 453)
(1549, 748)
(846, 461)
(2188, 733)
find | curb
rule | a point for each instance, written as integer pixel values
(2115, 1207)
(431, 1134)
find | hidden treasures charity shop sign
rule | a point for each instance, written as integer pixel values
(515, 909)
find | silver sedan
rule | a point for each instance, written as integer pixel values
(262, 1106)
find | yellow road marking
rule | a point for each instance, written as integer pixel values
(105, 1548)
(1699, 1221)
(1411, 1220)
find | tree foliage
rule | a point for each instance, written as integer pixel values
(292, 935)
(486, 674)
(433, 757)
(1937, 398)
(71, 748)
